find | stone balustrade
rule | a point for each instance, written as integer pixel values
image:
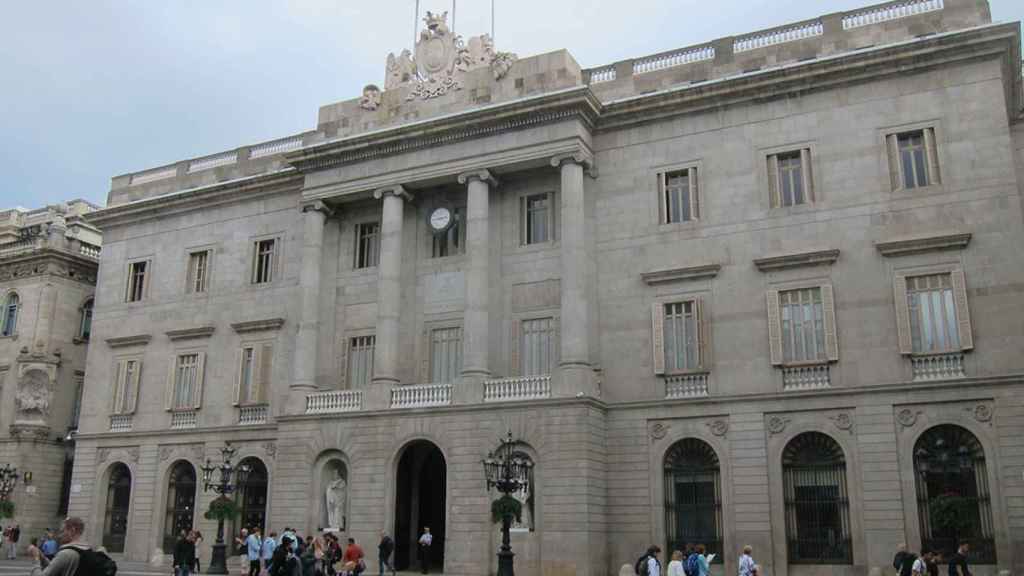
(334, 402)
(672, 58)
(154, 175)
(603, 74)
(519, 388)
(248, 415)
(806, 377)
(183, 419)
(20, 246)
(208, 162)
(89, 250)
(778, 36)
(275, 147)
(121, 423)
(686, 386)
(877, 14)
(937, 367)
(421, 395)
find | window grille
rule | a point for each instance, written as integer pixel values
(816, 501)
(693, 496)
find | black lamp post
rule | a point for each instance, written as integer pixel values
(509, 474)
(231, 478)
(8, 479)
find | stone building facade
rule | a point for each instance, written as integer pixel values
(765, 290)
(48, 262)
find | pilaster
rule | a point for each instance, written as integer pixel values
(476, 320)
(389, 292)
(304, 367)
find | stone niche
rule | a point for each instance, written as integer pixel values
(333, 495)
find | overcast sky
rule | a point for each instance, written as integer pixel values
(90, 90)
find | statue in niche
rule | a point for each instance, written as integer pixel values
(336, 498)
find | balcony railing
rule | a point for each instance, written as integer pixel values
(603, 74)
(421, 395)
(686, 386)
(806, 377)
(222, 159)
(121, 423)
(253, 414)
(183, 419)
(937, 367)
(89, 250)
(334, 402)
(521, 388)
(275, 147)
(20, 246)
(673, 58)
(890, 12)
(778, 36)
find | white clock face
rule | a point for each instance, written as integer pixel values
(440, 219)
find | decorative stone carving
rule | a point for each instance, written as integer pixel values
(371, 97)
(441, 61)
(777, 424)
(719, 427)
(658, 431)
(982, 413)
(843, 421)
(907, 417)
(131, 453)
(165, 452)
(270, 448)
(34, 395)
(33, 432)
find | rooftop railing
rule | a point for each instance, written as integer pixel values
(779, 36)
(877, 14)
(673, 58)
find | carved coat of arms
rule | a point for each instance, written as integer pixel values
(441, 59)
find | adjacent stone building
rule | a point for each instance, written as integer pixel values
(765, 290)
(48, 262)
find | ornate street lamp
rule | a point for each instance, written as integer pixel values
(509, 474)
(8, 479)
(231, 478)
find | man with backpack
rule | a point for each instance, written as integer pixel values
(74, 558)
(648, 565)
(692, 565)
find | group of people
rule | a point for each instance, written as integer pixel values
(693, 560)
(186, 552)
(927, 564)
(292, 555)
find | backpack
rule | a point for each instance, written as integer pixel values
(641, 567)
(93, 562)
(692, 567)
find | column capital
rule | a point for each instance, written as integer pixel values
(398, 191)
(585, 159)
(318, 206)
(483, 175)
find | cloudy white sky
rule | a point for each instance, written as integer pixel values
(89, 90)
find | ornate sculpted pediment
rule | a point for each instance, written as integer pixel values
(441, 61)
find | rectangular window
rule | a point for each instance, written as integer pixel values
(537, 221)
(913, 159)
(186, 381)
(198, 272)
(679, 196)
(367, 244)
(126, 386)
(264, 256)
(789, 178)
(136, 288)
(255, 365)
(445, 355)
(803, 325)
(933, 318)
(360, 361)
(453, 240)
(681, 336)
(538, 346)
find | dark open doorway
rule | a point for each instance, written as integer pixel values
(420, 501)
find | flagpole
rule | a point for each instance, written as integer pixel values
(492, 20)
(416, 23)
(453, 16)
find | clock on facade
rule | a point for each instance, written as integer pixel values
(441, 219)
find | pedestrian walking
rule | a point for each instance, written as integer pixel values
(384, 550)
(253, 546)
(747, 561)
(74, 556)
(49, 546)
(198, 543)
(425, 541)
(354, 558)
(267, 550)
(921, 564)
(675, 566)
(958, 562)
(903, 561)
(648, 564)
(184, 555)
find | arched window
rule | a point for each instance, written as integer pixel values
(693, 496)
(85, 326)
(181, 501)
(10, 315)
(252, 496)
(119, 499)
(953, 501)
(816, 500)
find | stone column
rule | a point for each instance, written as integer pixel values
(389, 286)
(476, 331)
(576, 373)
(304, 366)
(45, 319)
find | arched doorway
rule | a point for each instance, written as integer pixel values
(252, 496)
(953, 501)
(119, 499)
(693, 496)
(179, 511)
(816, 500)
(420, 502)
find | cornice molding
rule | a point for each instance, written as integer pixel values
(49, 261)
(257, 325)
(803, 259)
(189, 333)
(920, 245)
(125, 341)
(687, 274)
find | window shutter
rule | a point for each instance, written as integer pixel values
(516, 330)
(146, 276)
(899, 290)
(658, 337)
(556, 348)
(933, 156)
(553, 212)
(236, 397)
(169, 402)
(119, 387)
(694, 200)
(343, 364)
(662, 201)
(963, 315)
(275, 265)
(828, 307)
(808, 176)
(773, 180)
(703, 334)
(895, 173)
(522, 221)
(133, 387)
(427, 340)
(197, 398)
(774, 329)
(265, 372)
(255, 261)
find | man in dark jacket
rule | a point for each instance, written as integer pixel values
(185, 555)
(903, 562)
(384, 550)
